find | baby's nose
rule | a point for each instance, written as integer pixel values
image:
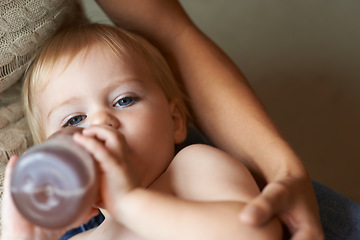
(105, 118)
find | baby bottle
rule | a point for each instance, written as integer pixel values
(55, 183)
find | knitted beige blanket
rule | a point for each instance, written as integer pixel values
(24, 26)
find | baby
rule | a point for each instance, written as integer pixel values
(120, 87)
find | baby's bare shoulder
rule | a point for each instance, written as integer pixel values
(199, 158)
(203, 172)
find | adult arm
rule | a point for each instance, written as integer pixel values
(228, 112)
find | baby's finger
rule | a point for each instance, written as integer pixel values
(107, 160)
(93, 146)
(110, 137)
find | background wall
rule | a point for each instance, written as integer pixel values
(302, 58)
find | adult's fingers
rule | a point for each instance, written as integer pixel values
(266, 205)
(295, 208)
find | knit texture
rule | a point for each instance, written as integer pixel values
(24, 26)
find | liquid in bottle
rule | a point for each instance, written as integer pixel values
(55, 183)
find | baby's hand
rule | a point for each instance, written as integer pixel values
(109, 148)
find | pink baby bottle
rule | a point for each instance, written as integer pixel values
(55, 183)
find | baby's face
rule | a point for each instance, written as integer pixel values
(98, 88)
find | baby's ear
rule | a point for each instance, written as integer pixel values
(179, 121)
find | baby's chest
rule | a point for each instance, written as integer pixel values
(102, 232)
(126, 235)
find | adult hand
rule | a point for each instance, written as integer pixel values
(292, 200)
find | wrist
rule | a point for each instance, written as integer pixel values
(278, 161)
(129, 205)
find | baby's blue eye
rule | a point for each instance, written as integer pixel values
(76, 120)
(124, 102)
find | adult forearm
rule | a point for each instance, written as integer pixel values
(225, 107)
(223, 103)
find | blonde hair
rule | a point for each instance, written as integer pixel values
(70, 42)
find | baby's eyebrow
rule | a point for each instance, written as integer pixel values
(119, 82)
(68, 101)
